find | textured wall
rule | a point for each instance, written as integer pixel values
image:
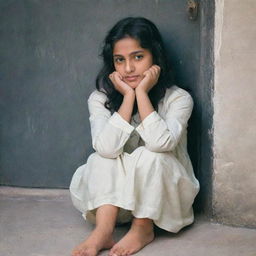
(48, 63)
(234, 181)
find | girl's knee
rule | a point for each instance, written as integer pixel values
(153, 156)
(150, 162)
(154, 163)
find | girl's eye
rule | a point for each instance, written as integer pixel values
(138, 57)
(119, 60)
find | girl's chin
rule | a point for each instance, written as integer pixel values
(133, 85)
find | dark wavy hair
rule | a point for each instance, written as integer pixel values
(147, 34)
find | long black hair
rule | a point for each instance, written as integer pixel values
(148, 36)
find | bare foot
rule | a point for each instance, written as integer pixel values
(93, 244)
(140, 234)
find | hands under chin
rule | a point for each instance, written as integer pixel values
(150, 79)
(120, 85)
(146, 84)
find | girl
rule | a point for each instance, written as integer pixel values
(141, 171)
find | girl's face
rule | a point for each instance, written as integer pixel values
(131, 61)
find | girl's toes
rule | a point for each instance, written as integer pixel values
(121, 252)
(117, 252)
(75, 253)
(111, 252)
(124, 253)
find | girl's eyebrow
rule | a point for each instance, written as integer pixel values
(132, 53)
(136, 52)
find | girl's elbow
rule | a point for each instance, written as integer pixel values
(107, 152)
(111, 155)
(162, 147)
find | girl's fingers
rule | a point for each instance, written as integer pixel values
(111, 77)
(146, 72)
(156, 68)
(115, 75)
(154, 72)
(119, 76)
(157, 71)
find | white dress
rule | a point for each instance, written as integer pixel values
(141, 167)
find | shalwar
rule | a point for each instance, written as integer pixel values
(141, 167)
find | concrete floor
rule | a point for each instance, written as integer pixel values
(43, 222)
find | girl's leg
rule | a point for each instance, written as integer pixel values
(101, 237)
(140, 234)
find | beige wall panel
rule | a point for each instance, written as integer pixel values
(234, 182)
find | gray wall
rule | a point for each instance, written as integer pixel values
(49, 59)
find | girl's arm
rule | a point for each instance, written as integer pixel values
(144, 104)
(163, 134)
(126, 108)
(109, 132)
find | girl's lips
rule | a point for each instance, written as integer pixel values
(131, 78)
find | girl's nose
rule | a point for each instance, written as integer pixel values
(129, 67)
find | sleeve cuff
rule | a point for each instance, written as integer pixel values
(151, 118)
(117, 121)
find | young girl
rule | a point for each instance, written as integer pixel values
(141, 171)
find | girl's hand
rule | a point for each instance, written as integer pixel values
(150, 79)
(119, 84)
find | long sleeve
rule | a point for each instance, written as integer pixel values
(161, 135)
(109, 132)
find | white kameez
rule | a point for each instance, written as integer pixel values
(141, 167)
